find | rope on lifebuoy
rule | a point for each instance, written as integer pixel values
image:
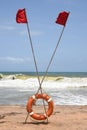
(32, 100)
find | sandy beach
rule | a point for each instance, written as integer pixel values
(12, 117)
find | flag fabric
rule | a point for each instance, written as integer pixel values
(21, 16)
(62, 18)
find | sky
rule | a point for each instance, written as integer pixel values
(15, 50)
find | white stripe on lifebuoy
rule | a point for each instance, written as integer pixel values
(31, 113)
(33, 97)
(50, 99)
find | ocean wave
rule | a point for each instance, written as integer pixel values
(63, 90)
(63, 82)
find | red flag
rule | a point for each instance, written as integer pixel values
(21, 16)
(62, 18)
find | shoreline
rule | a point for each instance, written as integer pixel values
(68, 117)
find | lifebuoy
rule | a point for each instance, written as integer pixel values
(32, 100)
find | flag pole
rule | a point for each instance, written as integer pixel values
(33, 51)
(65, 16)
(52, 56)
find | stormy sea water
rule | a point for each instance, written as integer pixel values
(65, 88)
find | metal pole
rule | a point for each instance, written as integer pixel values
(52, 57)
(33, 51)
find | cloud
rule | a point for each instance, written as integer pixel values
(6, 27)
(33, 33)
(14, 59)
(36, 33)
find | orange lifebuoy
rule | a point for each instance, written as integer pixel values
(31, 101)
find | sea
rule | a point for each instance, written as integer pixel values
(65, 88)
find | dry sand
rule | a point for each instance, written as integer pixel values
(63, 118)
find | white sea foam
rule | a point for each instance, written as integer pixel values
(65, 91)
(48, 84)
